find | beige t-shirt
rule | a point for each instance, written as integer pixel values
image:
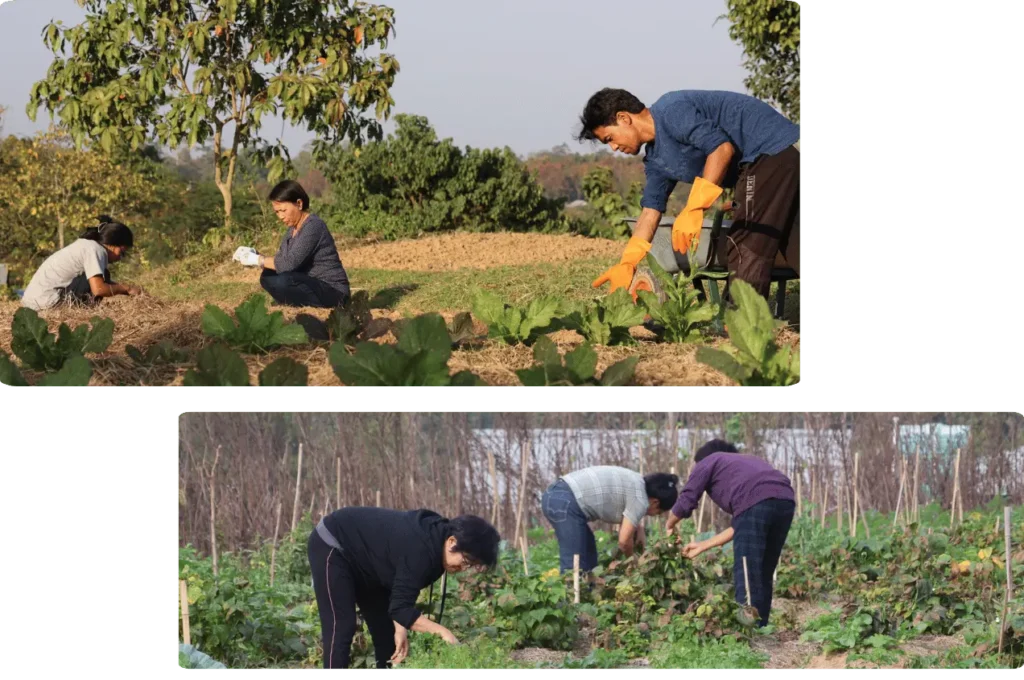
(70, 268)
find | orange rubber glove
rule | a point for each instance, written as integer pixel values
(686, 228)
(621, 275)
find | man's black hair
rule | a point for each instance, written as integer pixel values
(714, 446)
(476, 539)
(602, 108)
(664, 487)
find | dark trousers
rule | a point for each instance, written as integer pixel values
(572, 529)
(766, 219)
(301, 290)
(339, 590)
(760, 533)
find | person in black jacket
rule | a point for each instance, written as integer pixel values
(379, 560)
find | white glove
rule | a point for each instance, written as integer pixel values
(246, 256)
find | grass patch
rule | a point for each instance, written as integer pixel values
(725, 652)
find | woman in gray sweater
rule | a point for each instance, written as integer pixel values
(306, 271)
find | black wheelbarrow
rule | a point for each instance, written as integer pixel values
(711, 255)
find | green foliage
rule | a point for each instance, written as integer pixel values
(682, 316)
(726, 652)
(599, 658)
(610, 208)
(284, 372)
(190, 657)
(579, 367)
(538, 611)
(137, 70)
(769, 31)
(460, 329)
(420, 357)
(162, 352)
(60, 357)
(514, 325)
(411, 182)
(256, 331)
(606, 321)
(344, 324)
(218, 366)
(427, 651)
(752, 357)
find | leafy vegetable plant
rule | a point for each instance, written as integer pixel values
(344, 324)
(163, 352)
(253, 330)
(60, 356)
(513, 325)
(606, 321)
(579, 367)
(682, 315)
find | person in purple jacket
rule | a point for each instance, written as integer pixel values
(761, 502)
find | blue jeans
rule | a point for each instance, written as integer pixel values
(572, 529)
(301, 290)
(760, 535)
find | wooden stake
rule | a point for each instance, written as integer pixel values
(576, 578)
(298, 481)
(798, 504)
(956, 484)
(524, 464)
(183, 596)
(273, 546)
(746, 579)
(700, 514)
(492, 467)
(522, 544)
(899, 497)
(917, 468)
(864, 521)
(213, 510)
(378, 498)
(839, 511)
(856, 494)
(824, 507)
(337, 488)
(1009, 582)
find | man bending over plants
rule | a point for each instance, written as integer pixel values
(379, 560)
(611, 494)
(714, 140)
(761, 502)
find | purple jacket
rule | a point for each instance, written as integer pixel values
(735, 482)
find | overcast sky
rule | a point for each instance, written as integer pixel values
(485, 73)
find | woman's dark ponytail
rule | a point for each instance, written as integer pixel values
(91, 234)
(664, 487)
(110, 233)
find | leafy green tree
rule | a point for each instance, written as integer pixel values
(769, 31)
(182, 71)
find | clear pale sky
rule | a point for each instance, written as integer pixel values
(485, 73)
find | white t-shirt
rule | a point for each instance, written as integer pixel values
(70, 268)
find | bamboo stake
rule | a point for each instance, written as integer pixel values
(899, 497)
(917, 469)
(213, 510)
(959, 493)
(746, 579)
(864, 521)
(378, 498)
(1009, 582)
(524, 464)
(298, 480)
(956, 484)
(183, 596)
(824, 507)
(576, 578)
(273, 547)
(700, 514)
(839, 511)
(856, 494)
(522, 544)
(337, 488)
(494, 482)
(798, 504)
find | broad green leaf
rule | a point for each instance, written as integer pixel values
(426, 334)
(99, 336)
(539, 314)
(751, 325)
(219, 366)
(9, 373)
(370, 365)
(216, 322)
(620, 373)
(545, 352)
(488, 307)
(31, 341)
(722, 362)
(581, 362)
(532, 377)
(76, 371)
(284, 372)
(288, 334)
(466, 379)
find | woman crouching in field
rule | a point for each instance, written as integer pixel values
(77, 274)
(380, 560)
(761, 502)
(306, 271)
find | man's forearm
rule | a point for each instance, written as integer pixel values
(717, 164)
(647, 224)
